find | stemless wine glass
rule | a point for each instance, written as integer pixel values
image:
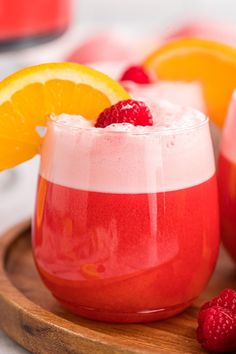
(227, 180)
(126, 222)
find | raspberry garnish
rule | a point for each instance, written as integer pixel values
(216, 330)
(127, 111)
(226, 299)
(136, 74)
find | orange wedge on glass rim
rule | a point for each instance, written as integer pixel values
(29, 96)
(212, 64)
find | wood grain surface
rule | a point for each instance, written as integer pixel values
(33, 318)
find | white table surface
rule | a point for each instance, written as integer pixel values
(8, 346)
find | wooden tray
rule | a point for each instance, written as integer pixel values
(31, 316)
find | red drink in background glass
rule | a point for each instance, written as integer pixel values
(32, 21)
(227, 181)
(126, 223)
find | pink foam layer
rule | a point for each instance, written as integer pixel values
(127, 162)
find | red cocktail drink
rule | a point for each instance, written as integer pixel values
(26, 21)
(227, 182)
(126, 224)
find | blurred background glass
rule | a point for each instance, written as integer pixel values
(26, 22)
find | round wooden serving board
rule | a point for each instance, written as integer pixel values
(32, 317)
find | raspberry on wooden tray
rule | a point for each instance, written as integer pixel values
(216, 330)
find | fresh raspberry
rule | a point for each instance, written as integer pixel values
(136, 74)
(226, 299)
(127, 111)
(217, 330)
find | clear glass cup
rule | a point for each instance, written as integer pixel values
(227, 180)
(126, 223)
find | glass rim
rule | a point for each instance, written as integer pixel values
(101, 131)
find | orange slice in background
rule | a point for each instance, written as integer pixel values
(29, 96)
(213, 64)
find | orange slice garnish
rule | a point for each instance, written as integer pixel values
(29, 96)
(211, 63)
